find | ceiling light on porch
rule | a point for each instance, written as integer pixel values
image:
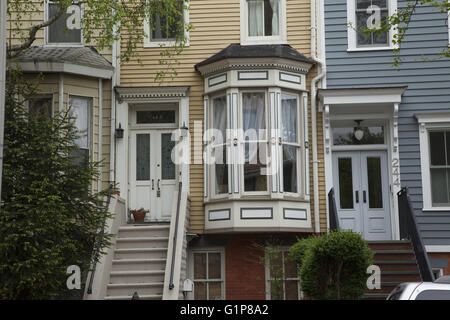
(359, 133)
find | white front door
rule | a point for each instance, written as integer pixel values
(362, 193)
(152, 173)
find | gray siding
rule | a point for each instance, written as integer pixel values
(428, 90)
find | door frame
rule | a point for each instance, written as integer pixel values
(390, 123)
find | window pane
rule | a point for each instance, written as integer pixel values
(220, 119)
(276, 289)
(345, 183)
(437, 148)
(199, 265)
(346, 136)
(374, 178)
(439, 188)
(255, 18)
(291, 289)
(80, 111)
(290, 267)
(276, 265)
(253, 115)
(367, 17)
(215, 291)
(153, 117)
(214, 266)
(200, 291)
(290, 168)
(167, 165)
(142, 157)
(447, 143)
(66, 29)
(221, 169)
(263, 18)
(254, 167)
(289, 118)
(168, 25)
(271, 17)
(41, 107)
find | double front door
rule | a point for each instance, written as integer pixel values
(362, 193)
(152, 173)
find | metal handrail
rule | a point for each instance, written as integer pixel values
(175, 235)
(332, 211)
(97, 250)
(409, 230)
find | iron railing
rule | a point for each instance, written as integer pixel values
(175, 235)
(409, 230)
(97, 250)
(332, 211)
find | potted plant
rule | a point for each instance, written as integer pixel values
(139, 214)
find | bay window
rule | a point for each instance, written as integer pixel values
(264, 148)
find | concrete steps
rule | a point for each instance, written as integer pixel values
(398, 264)
(139, 262)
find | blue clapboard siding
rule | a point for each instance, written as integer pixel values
(428, 90)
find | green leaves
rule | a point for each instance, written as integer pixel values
(333, 266)
(49, 216)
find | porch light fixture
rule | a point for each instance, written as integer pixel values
(119, 132)
(359, 133)
(184, 130)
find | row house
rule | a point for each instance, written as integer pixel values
(275, 103)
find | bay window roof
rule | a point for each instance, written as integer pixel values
(235, 50)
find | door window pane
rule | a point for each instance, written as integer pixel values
(142, 157)
(375, 182)
(67, 28)
(263, 18)
(345, 183)
(167, 165)
(290, 168)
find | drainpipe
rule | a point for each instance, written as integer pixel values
(112, 159)
(321, 74)
(100, 132)
(3, 6)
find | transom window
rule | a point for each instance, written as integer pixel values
(440, 167)
(208, 275)
(263, 21)
(67, 28)
(282, 279)
(358, 135)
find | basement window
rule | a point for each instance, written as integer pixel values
(208, 274)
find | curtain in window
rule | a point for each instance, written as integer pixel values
(255, 18)
(253, 113)
(80, 111)
(290, 135)
(220, 152)
(289, 116)
(220, 118)
(275, 17)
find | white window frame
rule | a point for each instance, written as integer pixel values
(208, 250)
(280, 39)
(351, 25)
(148, 43)
(427, 122)
(90, 119)
(284, 250)
(62, 44)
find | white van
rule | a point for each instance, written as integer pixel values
(437, 290)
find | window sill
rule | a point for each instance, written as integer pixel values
(257, 198)
(263, 41)
(162, 45)
(370, 49)
(436, 209)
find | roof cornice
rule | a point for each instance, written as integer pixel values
(140, 94)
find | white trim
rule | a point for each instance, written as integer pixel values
(170, 43)
(426, 122)
(64, 67)
(437, 249)
(280, 39)
(351, 25)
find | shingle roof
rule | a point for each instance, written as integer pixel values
(84, 56)
(256, 51)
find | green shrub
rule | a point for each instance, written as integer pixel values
(333, 266)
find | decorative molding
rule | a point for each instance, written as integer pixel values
(219, 215)
(253, 75)
(327, 127)
(395, 128)
(292, 78)
(293, 214)
(140, 94)
(267, 63)
(214, 81)
(264, 213)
